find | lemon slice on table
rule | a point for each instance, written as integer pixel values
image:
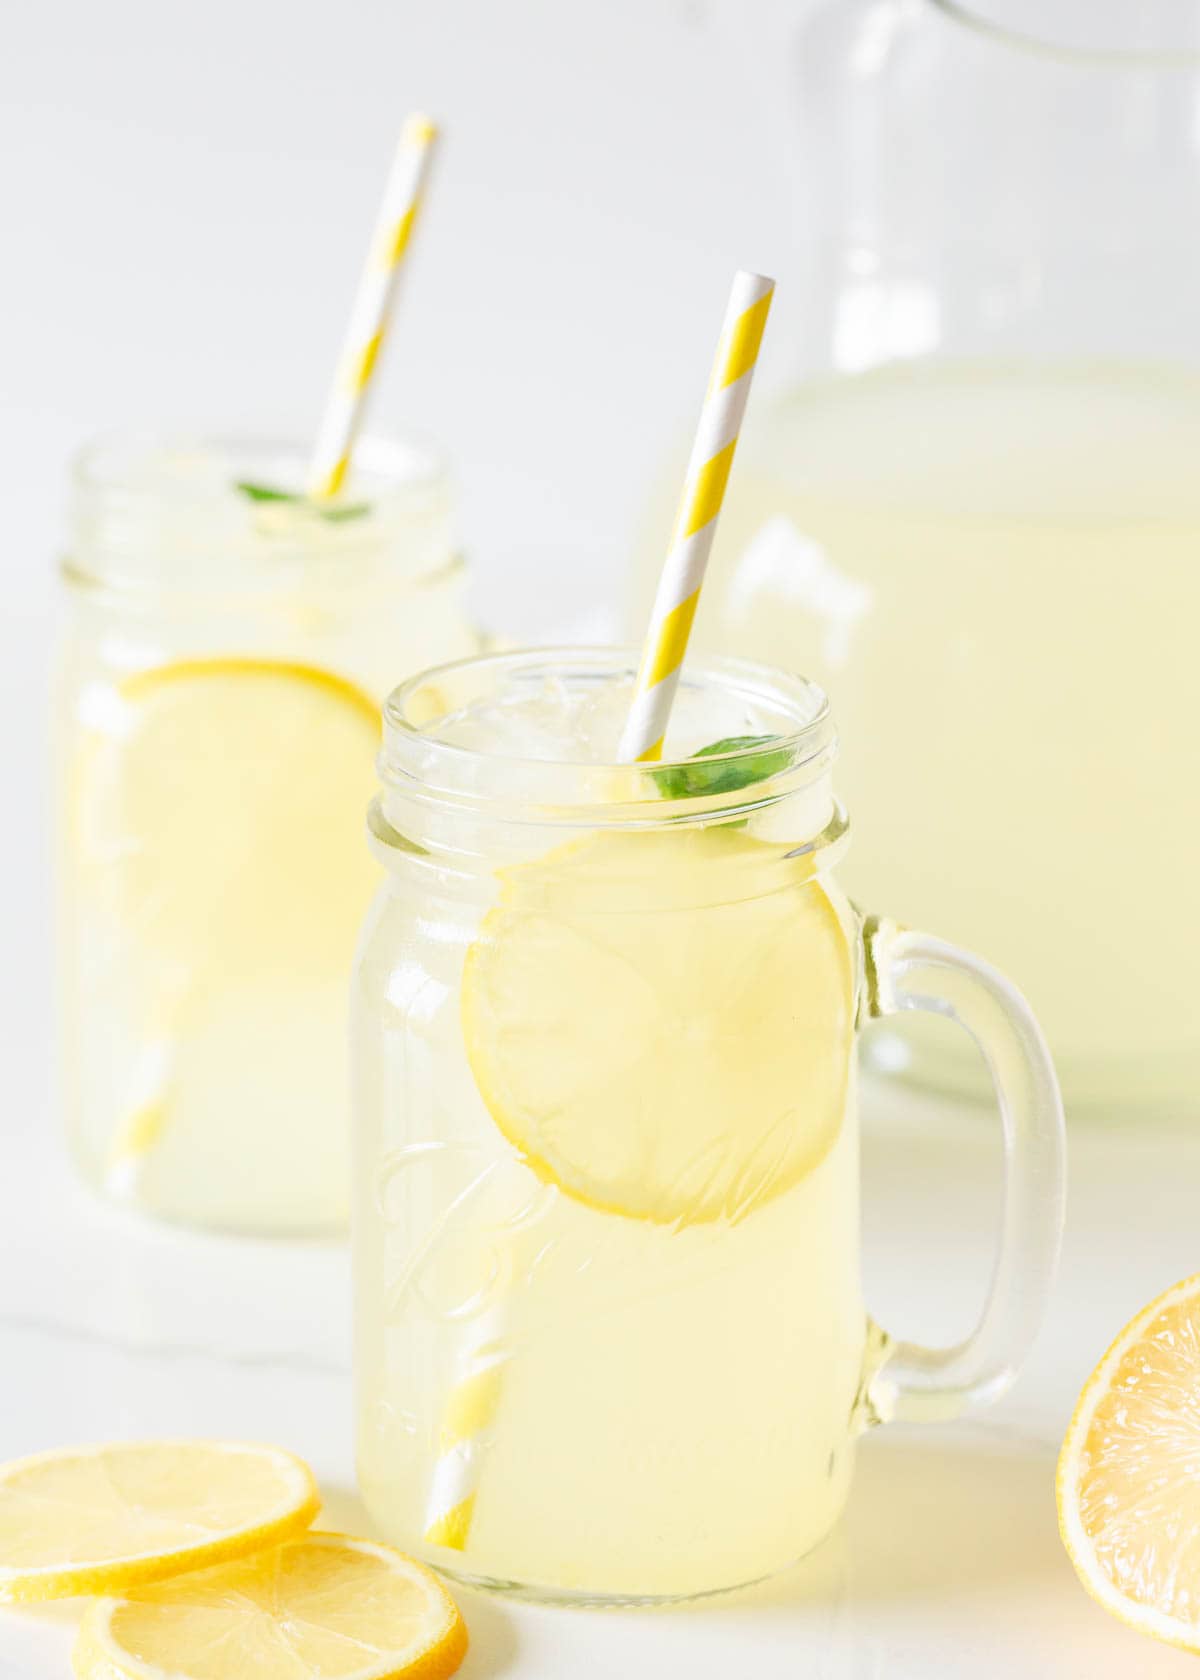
(101, 1519)
(1129, 1473)
(662, 1023)
(324, 1606)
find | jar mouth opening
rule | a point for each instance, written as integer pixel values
(500, 729)
(1164, 34)
(211, 513)
(192, 469)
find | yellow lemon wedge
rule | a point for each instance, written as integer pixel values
(101, 1519)
(1129, 1473)
(323, 1607)
(662, 1022)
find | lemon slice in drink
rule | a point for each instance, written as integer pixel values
(103, 1519)
(1128, 1488)
(662, 1023)
(222, 876)
(325, 1607)
(219, 811)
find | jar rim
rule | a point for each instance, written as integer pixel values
(415, 762)
(985, 18)
(394, 463)
(162, 509)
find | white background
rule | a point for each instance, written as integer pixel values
(187, 192)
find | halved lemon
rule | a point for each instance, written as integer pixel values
(662, 1023)
(1129, 1472)
(323, 1607)
(100, 1519)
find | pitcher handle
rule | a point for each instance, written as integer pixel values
(909, 970)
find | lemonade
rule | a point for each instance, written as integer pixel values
(605, 1126)
(610, 1341)
(993, 569)
(226, 652)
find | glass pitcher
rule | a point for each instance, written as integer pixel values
(610, 1335)
(975, 517)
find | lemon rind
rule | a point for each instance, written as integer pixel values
(108, 1576)
(512, 1129)
(1079, 1548)
(154, 677)
(99, 1656)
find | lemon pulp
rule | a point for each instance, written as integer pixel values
(220, 879)
(324, 1606)
(1128, 1506)
(662, 1022)
(101, 1519)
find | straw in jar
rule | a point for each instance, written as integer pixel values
(474, 1396)
(373, 306)
(696, 522)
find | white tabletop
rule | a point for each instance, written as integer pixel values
(948, 1562)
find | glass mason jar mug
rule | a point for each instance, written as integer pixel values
(610, 1337)
(225, 655)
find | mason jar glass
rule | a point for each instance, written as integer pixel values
(226, 648)
(975, 514)
(610, 1337)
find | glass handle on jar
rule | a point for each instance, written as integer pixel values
(907, 970)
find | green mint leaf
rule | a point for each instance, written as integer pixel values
(335, 515)
(695, 780)
(265, 493)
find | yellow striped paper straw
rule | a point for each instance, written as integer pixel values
(467, 1418)
(372, 308)
(696, 522)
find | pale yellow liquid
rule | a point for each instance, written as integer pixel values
(995, 570)
(677, 1404)
(204, 1055)
(677, 1414)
